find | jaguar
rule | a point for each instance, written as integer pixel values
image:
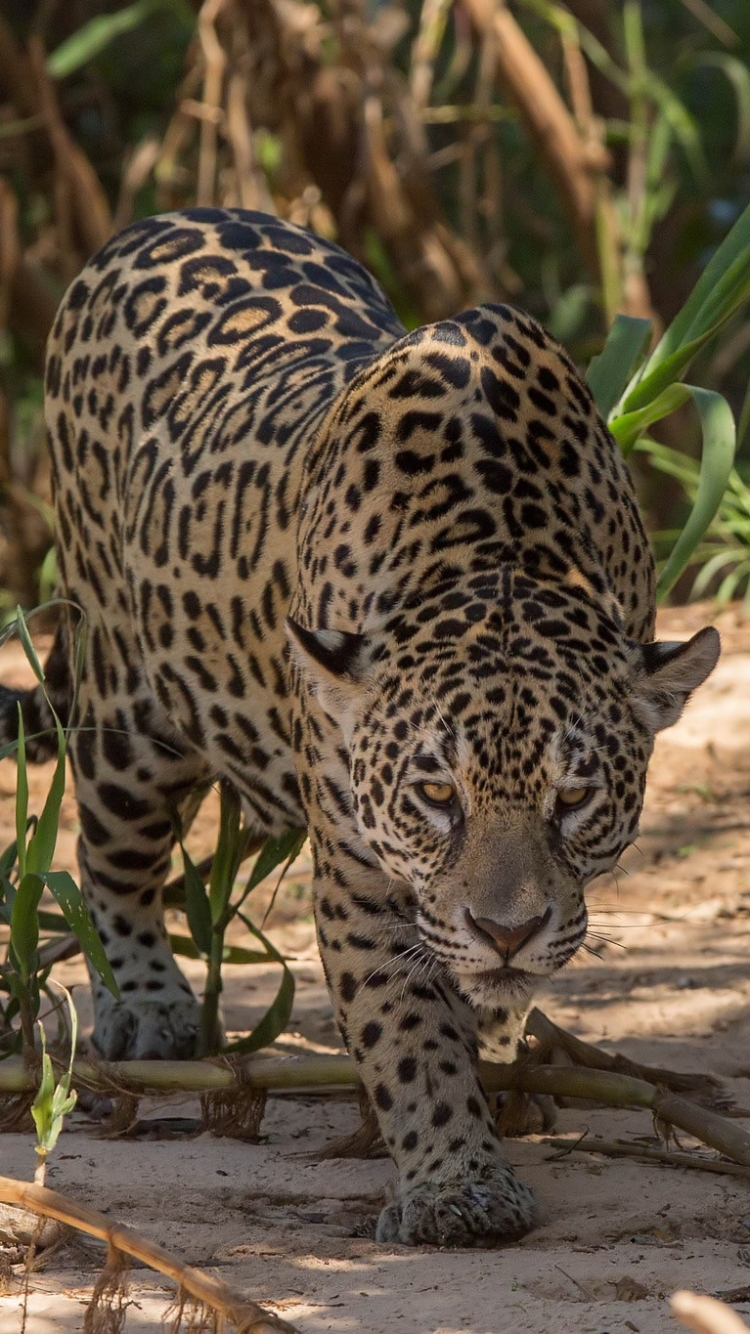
(391, 586)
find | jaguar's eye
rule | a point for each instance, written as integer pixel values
(437, 794)
(573, 798)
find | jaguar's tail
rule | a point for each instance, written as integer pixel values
(38, 721)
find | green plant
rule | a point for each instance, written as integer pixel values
(25, 873)
(210, 911)
(26, 870)
(723, 555)
(53, 1101)
(635, 388)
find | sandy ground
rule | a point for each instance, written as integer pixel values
(668, 983)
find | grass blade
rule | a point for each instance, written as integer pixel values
(629, 426)
(719, 290)
(609, 374)
(24, 925)
(28, 647)
(278, 1014)
(197, 906)
(229, 850)
(22, 798)
(184, 946)
(273, 853)
(79, 919)
(717, 457)
(41, 848)
(83, 45)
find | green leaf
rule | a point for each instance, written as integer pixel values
(738, 75)
(24, 925)
(712, 567)
(197, 906)
(610, 372)
(187, 949)
(28, 647)
(52, 921)
(95, 35)
(22, 797)
(655, 379)
(41, 1108)
(274, 851)
(8, 859)
(41, 847)
(52, 1103)
(229, 851)
(630, 425)
(80, 639)
(722, 288)
(278, 1014)
(717, 457)
(65, 890)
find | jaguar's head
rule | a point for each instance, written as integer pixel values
(497, 762)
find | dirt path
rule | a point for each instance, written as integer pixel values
(668, 983)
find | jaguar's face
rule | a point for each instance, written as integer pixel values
(494, 810)
(496, 770)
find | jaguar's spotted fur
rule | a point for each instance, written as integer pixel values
(248, 451)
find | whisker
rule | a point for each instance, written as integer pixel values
(605, 940)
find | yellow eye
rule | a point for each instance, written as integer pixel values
(572, 797)
(438, 794)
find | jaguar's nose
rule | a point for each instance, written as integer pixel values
(507, 940)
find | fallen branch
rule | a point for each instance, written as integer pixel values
(649, 1153)
(246, 1316)
(315, 1071)
(554, 1042)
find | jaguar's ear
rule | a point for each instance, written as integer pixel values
(667, 674)
(334, 664)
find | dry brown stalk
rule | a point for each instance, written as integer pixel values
(570, 161)
(10, 249)
(215, 62)
(314, 1071)
(27, 305)
(26, 535)
(244, 1315)
(705, 1315)
(77, 185)
(650, 1153)
(555, 1042)
(14, 72)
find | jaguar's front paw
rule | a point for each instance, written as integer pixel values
(143, 1029)
(460, 1213)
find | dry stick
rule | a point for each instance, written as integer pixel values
(552, 1037)
(615, 1149)
(305, 1072)
(213, 54)
(247, 1316)
(87, 199)
(569, 161)
(705, 1314)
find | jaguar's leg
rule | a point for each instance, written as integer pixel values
(415, 1044)
(130, 780)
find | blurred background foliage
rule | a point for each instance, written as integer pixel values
(578, 159)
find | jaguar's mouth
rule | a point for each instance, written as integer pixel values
(496, 986)
(504, 977)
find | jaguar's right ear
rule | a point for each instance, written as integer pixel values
(334, 665)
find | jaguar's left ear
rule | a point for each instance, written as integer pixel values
(334, 664)
(666, 675)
